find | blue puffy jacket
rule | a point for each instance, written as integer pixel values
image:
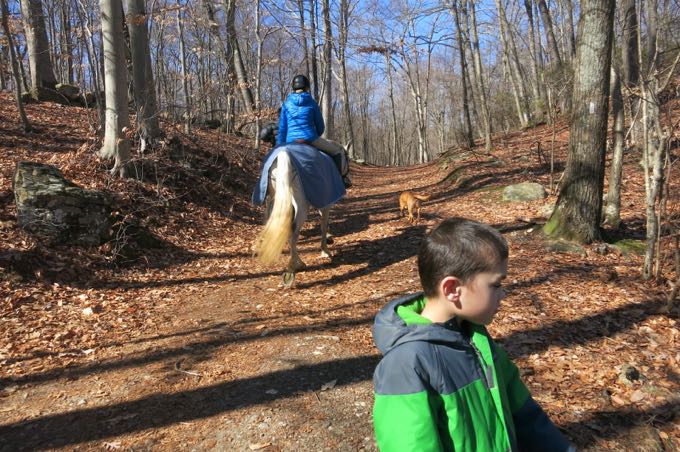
(300, 119)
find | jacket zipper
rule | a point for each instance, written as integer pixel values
(487, 373)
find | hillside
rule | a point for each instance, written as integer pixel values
(193, 345)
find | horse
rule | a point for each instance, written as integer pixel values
(287, 203)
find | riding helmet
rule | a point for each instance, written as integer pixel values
(300, 82)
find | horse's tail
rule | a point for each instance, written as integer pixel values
(277, 229)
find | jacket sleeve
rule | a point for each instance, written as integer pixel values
(318, 120)
(403, 420)
(534, 430)
(283, 127)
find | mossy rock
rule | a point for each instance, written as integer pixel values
(525, 191)
(563, 246)
(454, 176)
(630, 246)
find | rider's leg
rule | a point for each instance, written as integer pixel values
(334, 149)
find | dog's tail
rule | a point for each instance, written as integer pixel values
(277, 229)
(422, 197)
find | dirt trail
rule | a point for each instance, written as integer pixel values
(229, 360)
(234, 361)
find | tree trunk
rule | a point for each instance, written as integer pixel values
(578, 210)
(239, 66)
(185, 76)
(396, 143)
(342, 46)
(538, 93)
(554, 51)
(514, 71)
(226, 53)
(479, 78)
(571, 40)
(116, 144)
(42, 72)
(4, 71)
(654, 140)
(66, 43)
(94, 67)
(467, 125)
(612, 213)
(142, 75)
(315, 59)
(303, 35)
(326, 101)
(15, 66)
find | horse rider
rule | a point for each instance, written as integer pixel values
(300, 121)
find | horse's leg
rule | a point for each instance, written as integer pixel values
(301, 212)
(325, 213)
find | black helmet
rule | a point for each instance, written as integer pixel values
(300, 82)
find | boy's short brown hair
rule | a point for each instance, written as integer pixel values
(459, 247)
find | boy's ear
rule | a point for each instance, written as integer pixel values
(450, 288)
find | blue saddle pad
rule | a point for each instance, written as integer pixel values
(321, 181)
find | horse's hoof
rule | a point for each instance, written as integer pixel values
(326, 254)
(288, 279)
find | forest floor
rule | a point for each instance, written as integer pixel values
(192, 345)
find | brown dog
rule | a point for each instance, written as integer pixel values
(411, 201)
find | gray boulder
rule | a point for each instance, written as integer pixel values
(58, 210)
(526, 191)
(69, 91)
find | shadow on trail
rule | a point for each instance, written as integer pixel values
(609, 424)
(154, 411)
(59, 430)
(568, 333)
(225, 336)
(375, 254)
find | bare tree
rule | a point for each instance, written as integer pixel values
(511, 56)
(578, 209)
(15, 66)
(467, 126)
(343, 32)
(326, 93)
(239, 66)
(116, 143)
(188, 114)
(142, 75)
(612, 211)
(42, 72)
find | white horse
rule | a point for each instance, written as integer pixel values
(286, 210)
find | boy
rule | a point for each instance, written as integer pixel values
(443, 384)
(301, 122)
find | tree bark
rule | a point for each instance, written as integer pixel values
(42, 71)
(612, 213)
(15, 67)
(554, 51)
(326, 101)
(239, 66)
(313, 56)
(479, 78)
(142, 75)
(116, 144)
(514, 70)
(467, 125)
(185, 76)
(578, 210)
(342, 46)
(66, 43)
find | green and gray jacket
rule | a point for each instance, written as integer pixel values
(442, 387)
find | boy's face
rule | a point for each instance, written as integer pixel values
(481, 297)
